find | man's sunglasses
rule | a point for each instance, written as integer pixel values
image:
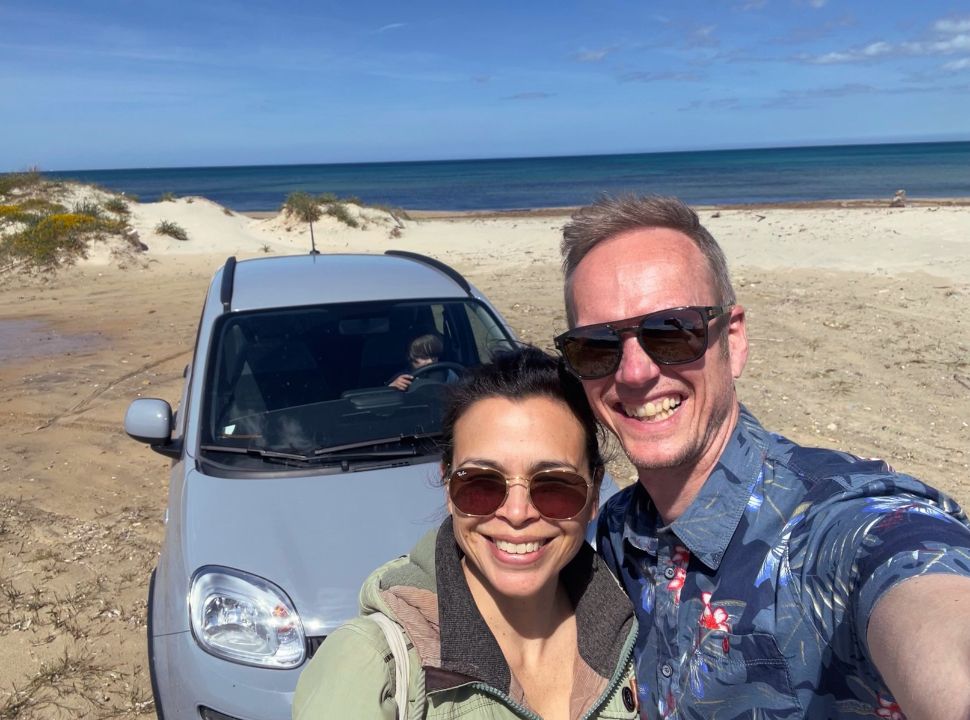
(670, 337)
(556, 494)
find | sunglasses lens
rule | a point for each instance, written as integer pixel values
(674, 336)
(477, 491)
(558, 495)
(592, 353)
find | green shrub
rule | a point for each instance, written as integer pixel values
(91, 209)
(118, 206)
(167, 197)
(171, 229)
(19, 181)
(13, 213)
(51, 241)
(327, 198)
(340, 211)
(302, 206)
(42, 206)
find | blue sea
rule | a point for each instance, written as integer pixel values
(930, 170)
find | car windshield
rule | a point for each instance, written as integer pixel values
(312, 384)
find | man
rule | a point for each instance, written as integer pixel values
(770, 580)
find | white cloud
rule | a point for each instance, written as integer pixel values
(830, 58)
(952, 25)
(391, 26)
(703, 37)
(868, 52)
(961, 64)
(593, 56)
(958, 44)
(876, 49)
(817, 3)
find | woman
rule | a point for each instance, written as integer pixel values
(507, 611)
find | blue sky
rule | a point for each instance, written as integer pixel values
(142, 83)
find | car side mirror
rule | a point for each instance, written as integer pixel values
(149, 420)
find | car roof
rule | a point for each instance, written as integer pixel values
(325, 278)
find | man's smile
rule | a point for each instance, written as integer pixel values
(654, 410)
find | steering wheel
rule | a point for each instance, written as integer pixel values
(441, 367)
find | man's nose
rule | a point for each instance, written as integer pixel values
(636, 367)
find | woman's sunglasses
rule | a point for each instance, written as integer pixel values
(556, 494)
(670, 337)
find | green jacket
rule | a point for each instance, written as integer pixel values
(456, 666)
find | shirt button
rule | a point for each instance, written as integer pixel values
(669, 573)
(666, 670)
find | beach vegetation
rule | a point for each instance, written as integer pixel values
(88, 208)
(13, 213)
(174, 230)
(39, 233)
(339, 211)
(19, 181)
(118, 206)
(305, 207)
(41, 206)
(51, 241)
(167, 197)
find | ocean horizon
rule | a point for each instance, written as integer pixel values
(703, 177)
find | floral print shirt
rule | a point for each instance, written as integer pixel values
(755, 602)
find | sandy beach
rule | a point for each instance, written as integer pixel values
(858, 317)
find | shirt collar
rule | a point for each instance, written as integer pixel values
(709, 522)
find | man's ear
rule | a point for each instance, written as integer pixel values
(737, 340)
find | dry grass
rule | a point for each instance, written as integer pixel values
(68, 589)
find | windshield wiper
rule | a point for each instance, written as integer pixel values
(332, 453)
(403, 437)
(257, 452)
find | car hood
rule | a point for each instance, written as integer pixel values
(317, 537)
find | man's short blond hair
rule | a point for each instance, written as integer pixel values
(609, 216)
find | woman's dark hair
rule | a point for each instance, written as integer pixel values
(519, 374)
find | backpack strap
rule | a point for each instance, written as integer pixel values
(397, 642)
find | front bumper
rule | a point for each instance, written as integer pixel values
(188, 678)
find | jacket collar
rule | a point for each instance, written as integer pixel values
(709, 522)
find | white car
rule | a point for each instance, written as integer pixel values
(296, 469)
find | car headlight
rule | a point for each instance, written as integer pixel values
(245, 619)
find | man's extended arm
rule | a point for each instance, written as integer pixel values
(919, 639)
